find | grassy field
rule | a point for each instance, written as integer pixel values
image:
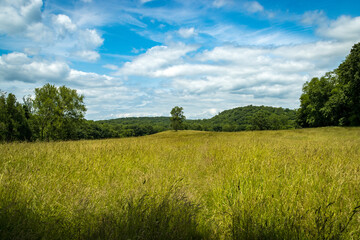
(293, 184)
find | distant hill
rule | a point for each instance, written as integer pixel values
(254, 118)
(237, 119)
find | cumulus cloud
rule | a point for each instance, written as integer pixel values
(63, 25)
(19, 67)
(344, 28)
(22, 68)
(156, 58)
(40, 33)
(88, 41)
(90, 38)
(16, 16)
(255, 72)
(48, 33)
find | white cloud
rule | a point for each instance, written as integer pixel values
(156, 58)
(187, 32)
(40, 33)
(47, 33)
(89, 38)
(22, 68)
(344, 28)
(19, 67)
(87, 55)
(63, 24)
(15, 58)
(256, 72)
(16, 16)
(253, 7)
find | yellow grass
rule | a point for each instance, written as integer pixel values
(293, 184)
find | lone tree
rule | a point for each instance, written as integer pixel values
(58, 111)
(177, 118)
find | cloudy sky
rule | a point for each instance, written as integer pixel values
(143, 57)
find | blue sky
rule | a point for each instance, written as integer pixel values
(143, 57)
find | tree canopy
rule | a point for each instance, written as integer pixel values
(177, 118)
(13, 122)
(334, 99)
(58, 111)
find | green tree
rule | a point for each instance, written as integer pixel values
(314, 111)
(13, 123)
(261, 121)
(333, 99)
(58, 112)
(348, 96)
(177, 118)
(3, 116)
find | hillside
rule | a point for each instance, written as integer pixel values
(255, 118)
(237, 119)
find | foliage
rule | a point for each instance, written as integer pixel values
(333, 99)
(58, 111)
(247, 118)
(177, 118)
(292, 184)
(13, 119)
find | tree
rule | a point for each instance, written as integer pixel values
(3, 116)
(58, 111)
(349, 94)
(13, 123)
(177, 118)
(260, 121)
(333, 99)
(314, 111)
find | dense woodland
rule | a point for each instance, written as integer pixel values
(57, 113)
(333, 99)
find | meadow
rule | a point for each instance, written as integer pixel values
(289, 184)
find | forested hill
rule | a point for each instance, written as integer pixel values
(237, 119)
(255, 118)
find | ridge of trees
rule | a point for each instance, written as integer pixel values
(237, 119)
(333, 99)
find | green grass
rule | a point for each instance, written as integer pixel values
(293, 184)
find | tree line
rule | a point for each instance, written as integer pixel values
(333, 99)
(57, 113)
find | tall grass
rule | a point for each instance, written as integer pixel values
(294, 184)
